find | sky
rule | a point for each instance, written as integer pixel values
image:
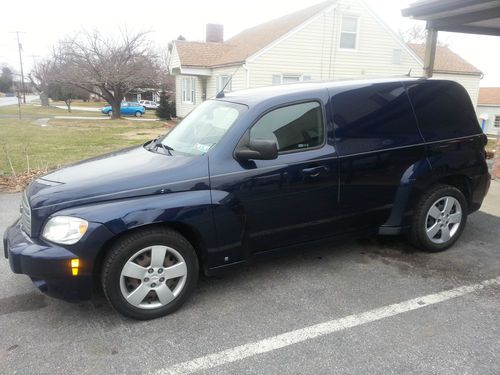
(43, 23)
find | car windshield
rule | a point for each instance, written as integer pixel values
(203, 127)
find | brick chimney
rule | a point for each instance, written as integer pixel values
(215, 33)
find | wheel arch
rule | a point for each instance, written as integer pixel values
(418, 179)
(192, 235)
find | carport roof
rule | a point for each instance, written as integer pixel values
(463, 16)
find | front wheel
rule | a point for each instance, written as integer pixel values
(110, 113)
(138, 114)
(439, 219)
(150, 273)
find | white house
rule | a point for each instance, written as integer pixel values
(488, 109)
(328, 41)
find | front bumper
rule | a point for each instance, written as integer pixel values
(48, 265)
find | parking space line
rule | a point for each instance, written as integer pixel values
(321, 329)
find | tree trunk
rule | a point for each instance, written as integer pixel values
(44, 99)
(115, 105)
(68, 104)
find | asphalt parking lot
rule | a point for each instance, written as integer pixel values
(373, 306)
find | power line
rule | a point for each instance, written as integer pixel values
(19, 47)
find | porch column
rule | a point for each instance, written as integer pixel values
(430, 51)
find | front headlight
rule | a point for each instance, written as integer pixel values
(65, 230)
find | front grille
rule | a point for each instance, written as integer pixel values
(26, 214)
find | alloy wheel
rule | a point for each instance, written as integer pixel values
(443, 219)
(153, 277)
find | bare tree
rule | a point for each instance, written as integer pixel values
(417, 34)
(109, 68)
(66, 93)
(39, 77)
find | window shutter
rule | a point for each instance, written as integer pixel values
(193, 83)
(217, 84)
(276, 79)
(184, 89)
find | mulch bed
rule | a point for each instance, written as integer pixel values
(11, 184)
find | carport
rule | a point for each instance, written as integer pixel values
(461, 16)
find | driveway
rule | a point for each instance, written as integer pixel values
(372, 306)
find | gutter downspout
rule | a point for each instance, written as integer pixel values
(247, 69)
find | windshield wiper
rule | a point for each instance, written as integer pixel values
(165, 147)
(156, 142)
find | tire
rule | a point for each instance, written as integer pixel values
(139, 255)
(110, 113)
(138, 114)
(439, 218)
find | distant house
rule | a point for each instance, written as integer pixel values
(330, 40)
(143, 94)
(488, 108)
(449, 65)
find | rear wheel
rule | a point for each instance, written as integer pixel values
(110, 113)
(138, 114)
(150, 273)
(439, 219)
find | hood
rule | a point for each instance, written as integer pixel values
(127, 173)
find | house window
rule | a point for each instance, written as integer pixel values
(496, 123)
(396, 56)
(279, 79)
(188, 90)
(225, 82)
(349, 32)
(290, 78)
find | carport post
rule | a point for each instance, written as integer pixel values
(430, 51)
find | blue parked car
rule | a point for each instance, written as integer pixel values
(248, 175)
(126, 109)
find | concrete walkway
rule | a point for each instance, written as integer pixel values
(77, 108)
(102, 118)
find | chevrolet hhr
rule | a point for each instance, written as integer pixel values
(251, 173)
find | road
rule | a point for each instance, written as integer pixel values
(372, 306)
(13, 100)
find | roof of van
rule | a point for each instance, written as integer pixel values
(255, 95)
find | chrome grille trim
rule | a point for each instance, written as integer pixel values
(26, 214)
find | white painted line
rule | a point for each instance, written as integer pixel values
(308, 333)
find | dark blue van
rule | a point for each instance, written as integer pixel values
(250, 173)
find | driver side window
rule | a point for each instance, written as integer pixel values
(294, 127)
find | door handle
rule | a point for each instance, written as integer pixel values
(315, 171)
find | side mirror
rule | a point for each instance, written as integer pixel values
(258, 149)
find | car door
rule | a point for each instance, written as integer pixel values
(124, 109)
(267, 204)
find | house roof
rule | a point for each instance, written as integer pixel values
(446, 60)
(248, 42)
(200, 53)
(489, 96)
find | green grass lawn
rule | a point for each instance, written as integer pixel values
(491, 143)
(66, 141)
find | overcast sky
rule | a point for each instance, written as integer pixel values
(43, 22)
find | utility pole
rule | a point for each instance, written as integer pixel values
(21, 63)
